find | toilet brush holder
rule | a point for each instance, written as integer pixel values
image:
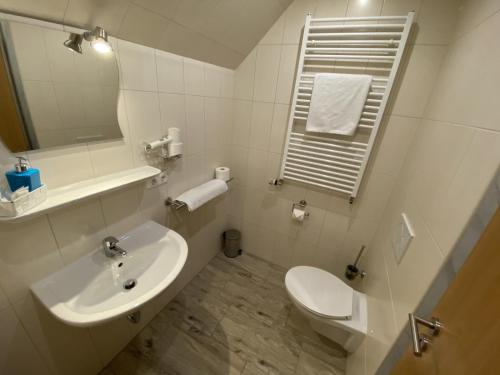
(352, 271)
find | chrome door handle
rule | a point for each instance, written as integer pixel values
(419, 340)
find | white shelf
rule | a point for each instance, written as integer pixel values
(62, 196)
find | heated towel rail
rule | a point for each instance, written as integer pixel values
(361, 45)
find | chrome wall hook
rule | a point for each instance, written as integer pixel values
(276, 182)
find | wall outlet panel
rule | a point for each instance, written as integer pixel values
(157, 180)
(402, 237)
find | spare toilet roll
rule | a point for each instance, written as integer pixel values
(223, 173)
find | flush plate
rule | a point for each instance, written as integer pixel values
(402, 237)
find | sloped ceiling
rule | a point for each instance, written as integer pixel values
(220, 32)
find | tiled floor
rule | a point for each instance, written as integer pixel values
(233, 318)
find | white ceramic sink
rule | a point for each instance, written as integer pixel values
(91, 290)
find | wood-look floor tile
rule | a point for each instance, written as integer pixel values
(252, 369)
(310, 365)
(233, 318)
(251, 264)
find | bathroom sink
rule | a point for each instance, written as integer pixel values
(96, 288)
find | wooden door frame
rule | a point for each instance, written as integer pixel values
(472, 232)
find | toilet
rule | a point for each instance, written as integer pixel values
(333, 308)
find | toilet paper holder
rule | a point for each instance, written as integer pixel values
(301, 206)
(177, 205)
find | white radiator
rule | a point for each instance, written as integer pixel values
(361, 45)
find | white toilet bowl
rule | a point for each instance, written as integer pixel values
(334, 309)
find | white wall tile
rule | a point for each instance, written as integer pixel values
(170, 70)
(212, 82)
(195, 122)
(143, 113)
(288, 66)
(295, 16)
(394, 141)
(218, 122)
(227, 84)
(473, 12)
(138, 67)
(173, 113)
(31, 255)
(329, 9)
(418, 79)
(279, 128)
(437, 21)
(78, 229)
(256, 169)
(242, 122)
(244, 78)
(266, 73)
(149, 207)
(64, 348)
(18, 355)
(447, 219)
(260, 128)
(194, 77)
(238, 163)
(400, 7)
(62, 166)
(455, 97)
(113, 156)
(437, 152)
(121, 210)
(363, 8)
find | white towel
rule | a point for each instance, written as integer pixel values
(337, 102)
(199, 195)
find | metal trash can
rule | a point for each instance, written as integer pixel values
(232, 243)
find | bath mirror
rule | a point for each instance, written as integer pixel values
(51, 94)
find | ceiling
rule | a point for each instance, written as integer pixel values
(220, 32)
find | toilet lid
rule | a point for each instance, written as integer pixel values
(320, 292)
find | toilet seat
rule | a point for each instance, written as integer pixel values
(320, 292)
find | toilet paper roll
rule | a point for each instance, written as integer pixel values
(174, 149)
(222, 173)
(175, 134)
(298, 214)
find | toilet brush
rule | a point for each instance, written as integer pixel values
(352, 271)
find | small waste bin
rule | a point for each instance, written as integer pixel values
(232, 241)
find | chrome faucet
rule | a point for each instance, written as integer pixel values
(111, 248)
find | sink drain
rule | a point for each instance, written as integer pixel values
(129, 284)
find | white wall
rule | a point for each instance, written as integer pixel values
(159, 90)
(451, 161)
(335, 230)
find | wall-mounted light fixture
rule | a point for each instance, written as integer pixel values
(98, 39)
(74, 43)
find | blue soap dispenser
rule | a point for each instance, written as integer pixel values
(23, 175)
